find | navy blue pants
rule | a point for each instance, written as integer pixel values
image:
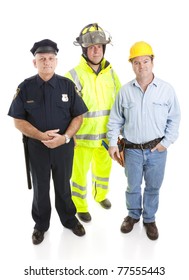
(57, 163)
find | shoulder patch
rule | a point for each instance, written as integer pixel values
(17, 92)
(77, 90)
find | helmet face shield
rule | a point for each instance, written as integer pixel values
(94, 38)
(92, 34)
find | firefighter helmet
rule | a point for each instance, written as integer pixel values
(92, 34)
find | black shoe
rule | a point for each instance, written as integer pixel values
(105, 203)
(37, 236)
(78, 229)
(85, 217)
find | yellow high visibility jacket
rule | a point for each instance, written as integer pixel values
(98, 92)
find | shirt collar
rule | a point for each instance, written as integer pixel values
(51, 82)
(153, 82)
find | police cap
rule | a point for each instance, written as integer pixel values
(44, 46)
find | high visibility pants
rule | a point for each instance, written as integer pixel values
(100, 163)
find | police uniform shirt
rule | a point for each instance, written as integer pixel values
(47, 105)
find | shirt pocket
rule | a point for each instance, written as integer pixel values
(34, 113)
(32, 108)
(160, 112)
(63, 109)
(129, 111)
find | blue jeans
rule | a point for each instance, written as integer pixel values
(148, 166)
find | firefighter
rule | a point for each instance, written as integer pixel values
(98, 85)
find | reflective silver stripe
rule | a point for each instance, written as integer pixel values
(76, 79)
(101, 186)
(96, 114)
(79, 195)
(91, 136)
(100, 178)
(113, 78)
(78, 186)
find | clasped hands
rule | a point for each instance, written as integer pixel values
(52, 139)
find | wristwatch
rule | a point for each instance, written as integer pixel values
(67, 138)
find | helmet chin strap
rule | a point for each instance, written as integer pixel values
(84, 50)
(88, 60)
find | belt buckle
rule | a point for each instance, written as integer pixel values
(141, 146)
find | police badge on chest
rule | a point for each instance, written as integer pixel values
(65, 98)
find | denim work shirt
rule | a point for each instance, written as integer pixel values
(142, 117)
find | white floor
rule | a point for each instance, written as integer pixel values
(103, 245)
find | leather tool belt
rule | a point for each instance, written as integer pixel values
(147, 145)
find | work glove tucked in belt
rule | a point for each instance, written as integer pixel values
(121, 147)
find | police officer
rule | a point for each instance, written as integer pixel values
(48, 111)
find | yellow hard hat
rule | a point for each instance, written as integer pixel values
(139, 49)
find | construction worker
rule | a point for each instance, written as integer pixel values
(98, 85)
(148, 112)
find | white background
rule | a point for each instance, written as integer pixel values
(164, 25)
